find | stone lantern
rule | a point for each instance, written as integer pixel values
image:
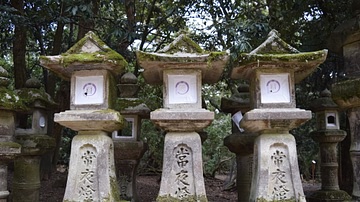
(91, 66)
(33, 139)
(345, 41)
(128, 147)
(9, 103)
(240, 142)
(182, 67)
(273, 68)
(328, 134)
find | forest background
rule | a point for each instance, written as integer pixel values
(29, 29)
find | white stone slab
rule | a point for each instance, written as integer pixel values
(182, 176)
(92, 169)
(90, 120)
(276, 174)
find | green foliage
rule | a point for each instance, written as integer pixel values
(307, 148)
(65, 146)
(151, 162)
(216, 156)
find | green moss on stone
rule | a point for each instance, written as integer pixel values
(10, 145)
(106, 54)
(9, 100)
(331, 195)
(122, 103)
(169, 198)
(346, 89)
(30, 95)
(245, 59)
(214, 56)
(112, 91)
(96, 57)
(115, 193)
(43, 142)
(283, 200)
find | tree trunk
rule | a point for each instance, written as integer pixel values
(19, 46)
(88, 24)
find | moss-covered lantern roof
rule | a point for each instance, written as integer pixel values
(239, 101)
(324, 102)
(87, 54)
(9, 100)
(33, 93)
(276, 53)
(182, 53)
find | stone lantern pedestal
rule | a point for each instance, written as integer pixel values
(9, 103)
(33, 140)
(273, 68)
(182, 67)
(345, 40)
(129, 149)
(91, 65)
(240, 142)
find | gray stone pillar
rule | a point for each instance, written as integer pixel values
(26, 181)
(354, 117)
(4, 193)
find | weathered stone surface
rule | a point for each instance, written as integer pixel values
(92, 176)
(242, 144)
(276, 174)
(90, 120)
(26, 181)
(183, 53)
(282, 118)
(354, 116)
(328, 140)
(274, 52)
(329, 196)
(89, 53)
(129, 150)
(127, 158)
(4, 193)
(35, 144)
(347, 93)
(239, 101)
(9, 102)
(4, 80)
(182, 120)
(182, 177)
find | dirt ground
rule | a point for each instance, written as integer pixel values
(148, 186)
